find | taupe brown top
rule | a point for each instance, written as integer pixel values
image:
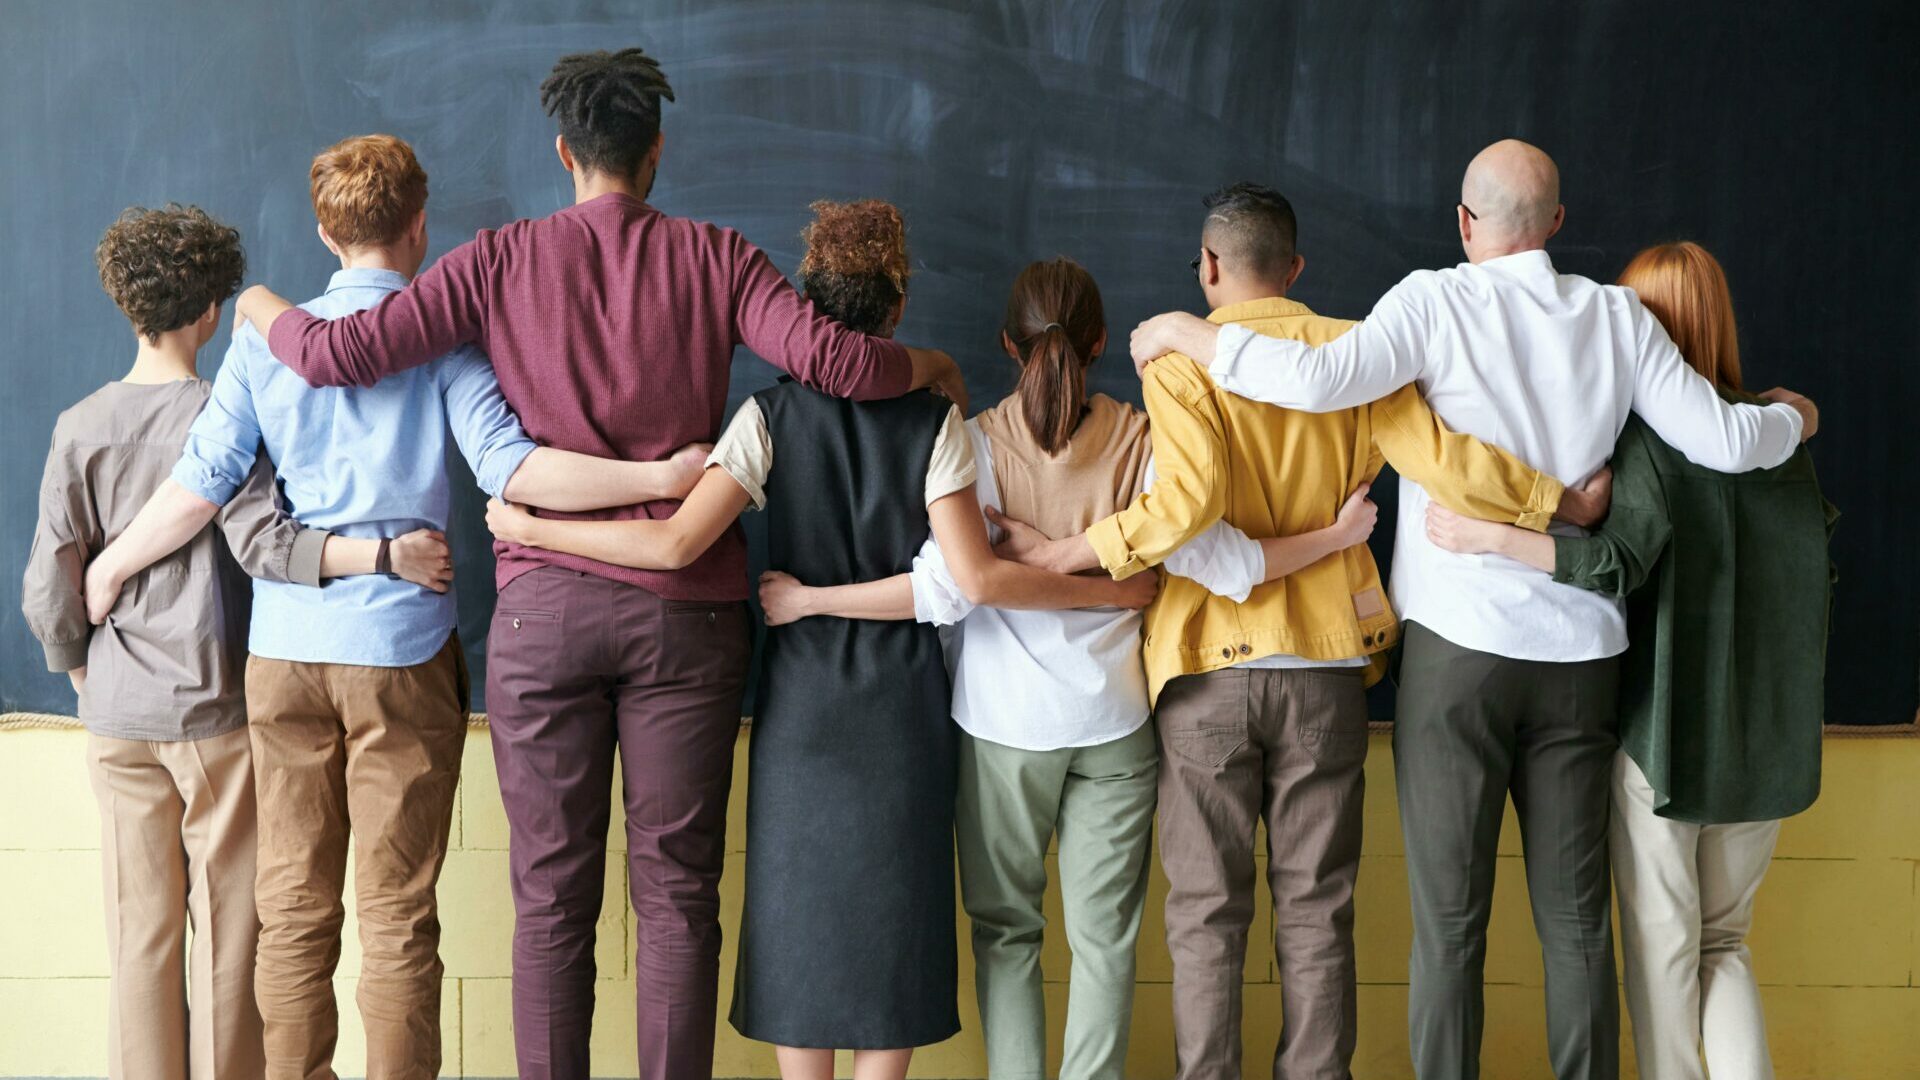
(169, 663)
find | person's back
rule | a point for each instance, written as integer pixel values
(361, 462)
(1545, 364)
(169, 662)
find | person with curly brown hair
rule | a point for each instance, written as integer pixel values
(612, 327)
(160, 679)
(847, 938)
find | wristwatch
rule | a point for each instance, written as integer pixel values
(383, 559)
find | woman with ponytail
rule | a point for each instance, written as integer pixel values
(846, 940)
(1052, 705)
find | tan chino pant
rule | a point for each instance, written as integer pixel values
(1288, 747)
(375, 752)
(176, 845)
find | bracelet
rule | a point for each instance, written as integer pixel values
(383, 559)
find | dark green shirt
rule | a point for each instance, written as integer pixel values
(1728, 584)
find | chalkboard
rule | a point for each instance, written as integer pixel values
(1780, 137)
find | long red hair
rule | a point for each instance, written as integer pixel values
(1685, 288)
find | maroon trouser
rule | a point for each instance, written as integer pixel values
(579, 668)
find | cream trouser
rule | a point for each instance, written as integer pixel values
(1686, 900)
(176, 845)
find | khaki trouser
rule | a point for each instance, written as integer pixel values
(1239, 746)
(1686, 900)
(176, 845)
(1099, 800)
(339, 748)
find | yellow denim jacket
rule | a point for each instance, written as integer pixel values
(1277, 472)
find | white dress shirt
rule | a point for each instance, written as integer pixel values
(1544, 364)
(1047, 680)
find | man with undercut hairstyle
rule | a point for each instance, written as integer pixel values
(1259, 698)
(1507, 679)
(612, 328)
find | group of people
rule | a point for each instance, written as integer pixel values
(970, 645)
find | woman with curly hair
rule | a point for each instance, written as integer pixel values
(847, 938)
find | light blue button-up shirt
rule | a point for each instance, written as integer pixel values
(364, 462)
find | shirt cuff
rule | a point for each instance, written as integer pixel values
(303, 562)
(1542, 503)
(755, 493)
(203, 480)
(1110, 546)
(1226, 350)
(66, 655)
(1798, 423)
(504, 463)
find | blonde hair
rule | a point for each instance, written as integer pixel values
(1685, 288)
(367, 190)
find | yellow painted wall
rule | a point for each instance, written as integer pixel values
(1836, 937)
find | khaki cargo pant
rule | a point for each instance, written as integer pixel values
(341, 749)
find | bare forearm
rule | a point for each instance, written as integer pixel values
(1067, 555)
(170, 518)
(560, 480)
(345, 556)
(886, 599)
(643, 543)
(1533, 548)
(1290, 554)
(1004, 584)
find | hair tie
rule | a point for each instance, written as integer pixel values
(1053, 326)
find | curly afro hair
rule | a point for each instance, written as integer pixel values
(166, 267)
(856, 262)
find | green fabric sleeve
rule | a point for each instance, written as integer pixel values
(1618, 557)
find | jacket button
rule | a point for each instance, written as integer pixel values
(1245, 649)
(516, 624)
(1228, 653)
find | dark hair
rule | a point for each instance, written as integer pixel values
(166, 267)
(1055, 319)
(1253, 229)
(855, 267)
(608, 105)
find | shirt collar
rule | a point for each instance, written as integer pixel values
(367, 277)
(1271, 307)
(1521, 262)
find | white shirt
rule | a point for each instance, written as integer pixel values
(1047, 680)
(1544, 364)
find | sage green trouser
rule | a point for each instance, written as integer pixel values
(1100, 800)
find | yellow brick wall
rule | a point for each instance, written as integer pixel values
(1835, 940)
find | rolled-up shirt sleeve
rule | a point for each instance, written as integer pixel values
(1222, 560)
(224, 442)
(487, 431)
(745, 451)
(937, 597)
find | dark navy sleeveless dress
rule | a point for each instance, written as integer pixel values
(847, 940)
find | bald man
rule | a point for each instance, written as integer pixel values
(1507, 679)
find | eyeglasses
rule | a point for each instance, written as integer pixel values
(1194, 264)
(1470, 214)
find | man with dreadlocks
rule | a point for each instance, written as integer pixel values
(611, 326)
